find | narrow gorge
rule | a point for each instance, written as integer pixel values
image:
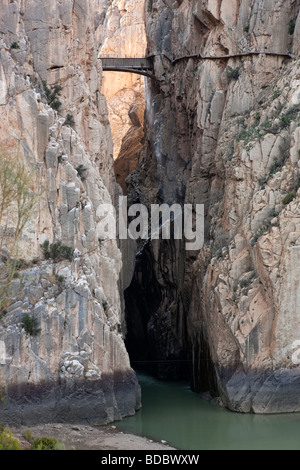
(218, 125)
(222, 130)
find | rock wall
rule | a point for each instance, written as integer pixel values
(224, 133)
(124, 35)
(76, 367)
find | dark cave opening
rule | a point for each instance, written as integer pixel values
(147, 330)
(157, 341)
(142, 298)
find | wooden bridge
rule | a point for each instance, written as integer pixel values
(142, 66)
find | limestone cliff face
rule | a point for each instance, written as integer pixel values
(77, 367)
(224, 133)
(124, 35)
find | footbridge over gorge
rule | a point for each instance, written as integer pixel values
(141, 66)
(145, 65)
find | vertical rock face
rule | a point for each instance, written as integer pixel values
(76, 368)
(124, 35)
(225, 133)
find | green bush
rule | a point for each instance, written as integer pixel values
(257, 117)
(28, 436)
(69, 121)
(248, 134)
(276, 167)
(46, 443)
(30, 325)
(276, 94)
(267, 124)
(292, 25)
(81, 172)
(232, 74)
(288, 199)
(289, 116)
(57, 251)
(15, 45)
(52, 95)
(7, 441)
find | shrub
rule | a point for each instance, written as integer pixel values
(276, 94)
(7, 441)
(28, 436)
(15, 45)
(286, 121)
(288, 199)
(289, 115)
(292, 25)
(267, 124)
(248, 134)
(19, 264)
(57, 251)
(52, 95)
(46, 443)
(30, 325)
(81, 172)
(18, 197)
(45, 247)
(69, 121)
(276, 167)
(232, 74)
(257, 117)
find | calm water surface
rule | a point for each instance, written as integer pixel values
(172, 412)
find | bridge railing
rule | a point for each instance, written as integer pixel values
(138, 63)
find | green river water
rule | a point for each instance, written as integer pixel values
(172, 412)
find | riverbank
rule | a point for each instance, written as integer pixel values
(85, 437)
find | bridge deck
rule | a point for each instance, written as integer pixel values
(135, 63)
(141, 66)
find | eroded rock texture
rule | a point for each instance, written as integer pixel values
(76, 368)
(224, 133)
(124, 35)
